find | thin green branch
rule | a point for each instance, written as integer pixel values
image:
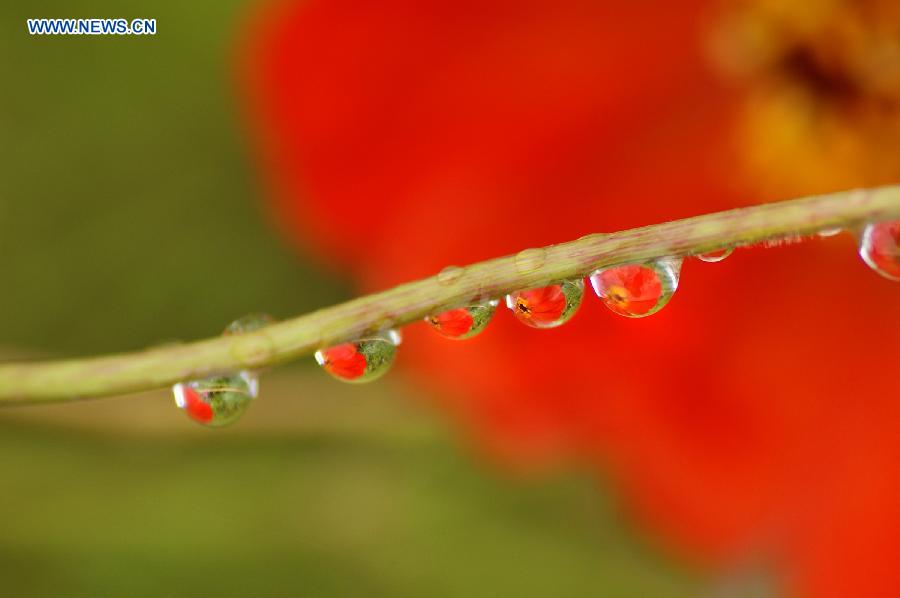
(454, 286)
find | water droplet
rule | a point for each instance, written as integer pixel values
(450, 275)
(529, 260)
(715, 256)
(463, 322)
(363, 360)
(829, 232)
(637, 290)
(217, 401)
(549, 306)
(879, 247)
(221, 400)
(252, 349)
(249, 323)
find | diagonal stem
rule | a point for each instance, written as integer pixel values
(116, 374)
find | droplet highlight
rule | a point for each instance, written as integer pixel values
(829, 232)
(712, 257)
(217, 401)
(637, 290)
(463, 322)
(362, 360)
(879, 247)
(549, 306)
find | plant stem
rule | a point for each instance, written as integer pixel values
(159, 367)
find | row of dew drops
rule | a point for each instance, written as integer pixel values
(634, 291)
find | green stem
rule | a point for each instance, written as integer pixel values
(163, 366)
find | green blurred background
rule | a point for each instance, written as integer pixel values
(129, 216)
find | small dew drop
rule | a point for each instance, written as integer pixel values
(529, 260)
(829, 232)
(718, 255)
(637, 290)
(549, 306)
(249, 323)
(450, 275)
(218, 401)
(252, 349)
(879, 247)
(463, 322)
(362, 360)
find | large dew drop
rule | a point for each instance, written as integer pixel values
(637, 290)
(217, 401)
(221, 400)
(463, 322)
(362, 360)
(547, 307)
(879, 247)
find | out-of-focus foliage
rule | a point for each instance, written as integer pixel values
(322, 490)
(126, 194)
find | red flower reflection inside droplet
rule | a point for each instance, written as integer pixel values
(453, 323)
(539, 307)
(198, 409)
(881, 248)
(628, 290)
(344, 361)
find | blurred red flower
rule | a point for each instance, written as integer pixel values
(755, 417)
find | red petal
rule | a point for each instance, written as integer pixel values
(453, 323)
(345, 361)
(198, 409)
(638, 288)
(545, 304)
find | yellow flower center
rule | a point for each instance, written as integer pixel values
(822, 80)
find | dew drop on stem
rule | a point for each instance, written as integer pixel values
(718, 255)
(879, 247)
(637, 290)
(829, 232)
(251, 350)
(549, 306)
(362, 360)
(217, 401)
(463, 322)
(249, 323)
